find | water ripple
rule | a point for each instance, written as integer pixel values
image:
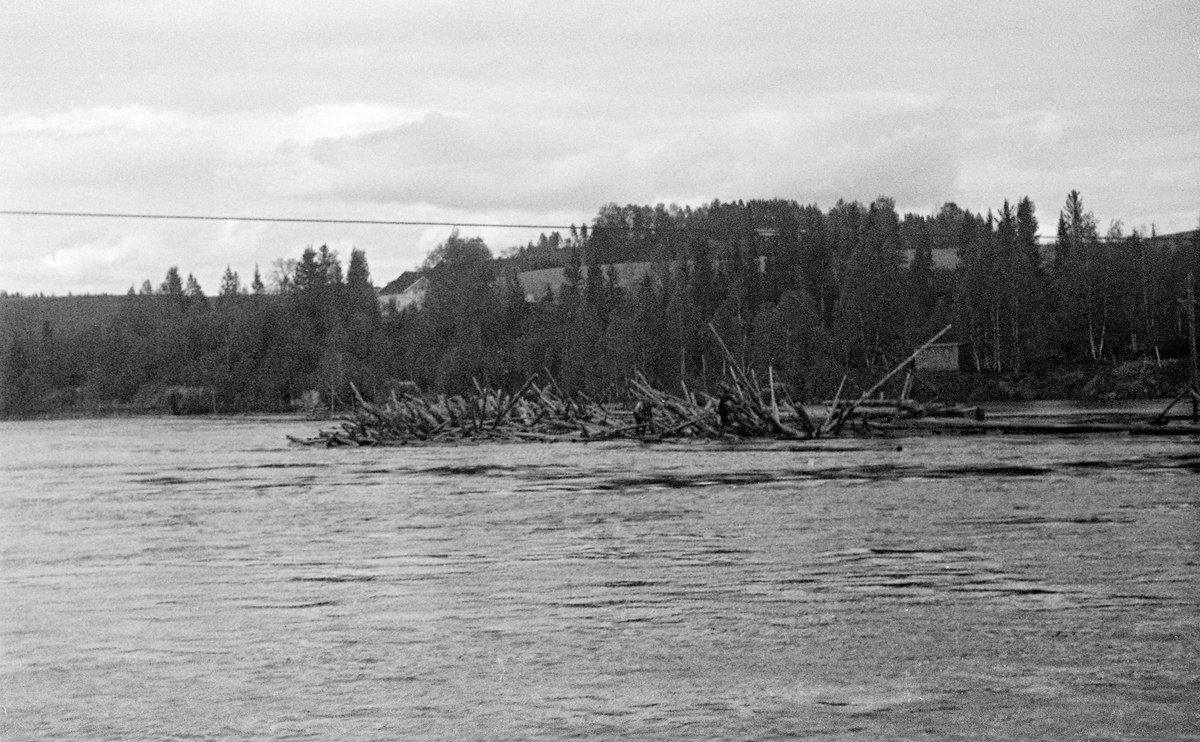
(206, 581)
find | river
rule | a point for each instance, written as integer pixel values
(200, 579)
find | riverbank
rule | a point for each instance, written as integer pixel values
(121, 410)
(1144, 379)
(1127, 380)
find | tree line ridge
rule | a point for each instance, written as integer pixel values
(812, 293)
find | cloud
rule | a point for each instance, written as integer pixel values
(1049, 128)
(77, 261)
(459, 162)
(82, 122)
(870, 142)
(371, 160)
(172, 156)
(541, 111)
(86, 262)
(829, 147)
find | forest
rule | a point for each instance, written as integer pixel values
(813, 294)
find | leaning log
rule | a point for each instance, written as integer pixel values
(839, 419)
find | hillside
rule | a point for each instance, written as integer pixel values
(65, 314)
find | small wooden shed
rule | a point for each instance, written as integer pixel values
(938, 357)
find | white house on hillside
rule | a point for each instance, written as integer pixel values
(406, 291)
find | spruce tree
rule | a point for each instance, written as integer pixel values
(230, 284)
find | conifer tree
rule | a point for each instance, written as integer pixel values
(194, 295)
(172, 285)
(231, 285)
(1076, 274)
(360, 293)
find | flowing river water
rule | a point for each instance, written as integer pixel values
(199, 579)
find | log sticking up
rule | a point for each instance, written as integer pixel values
(837, 419)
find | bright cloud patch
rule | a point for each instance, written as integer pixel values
(87, 263)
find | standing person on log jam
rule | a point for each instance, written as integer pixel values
(724, 407)
(643, 415)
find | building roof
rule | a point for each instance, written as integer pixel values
(1175, 236)
(401, 283)
(412, 292)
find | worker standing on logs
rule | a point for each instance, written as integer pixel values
(643, 415)
(725, 407)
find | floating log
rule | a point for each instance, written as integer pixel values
(1015, 427)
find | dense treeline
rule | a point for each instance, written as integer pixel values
(811, 293)
(245, 349)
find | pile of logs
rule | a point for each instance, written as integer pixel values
(742, 408)
(540, 412)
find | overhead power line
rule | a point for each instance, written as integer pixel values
(376, 222)
(280, 219)
(765, 232)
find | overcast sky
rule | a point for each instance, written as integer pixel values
(540, 112)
